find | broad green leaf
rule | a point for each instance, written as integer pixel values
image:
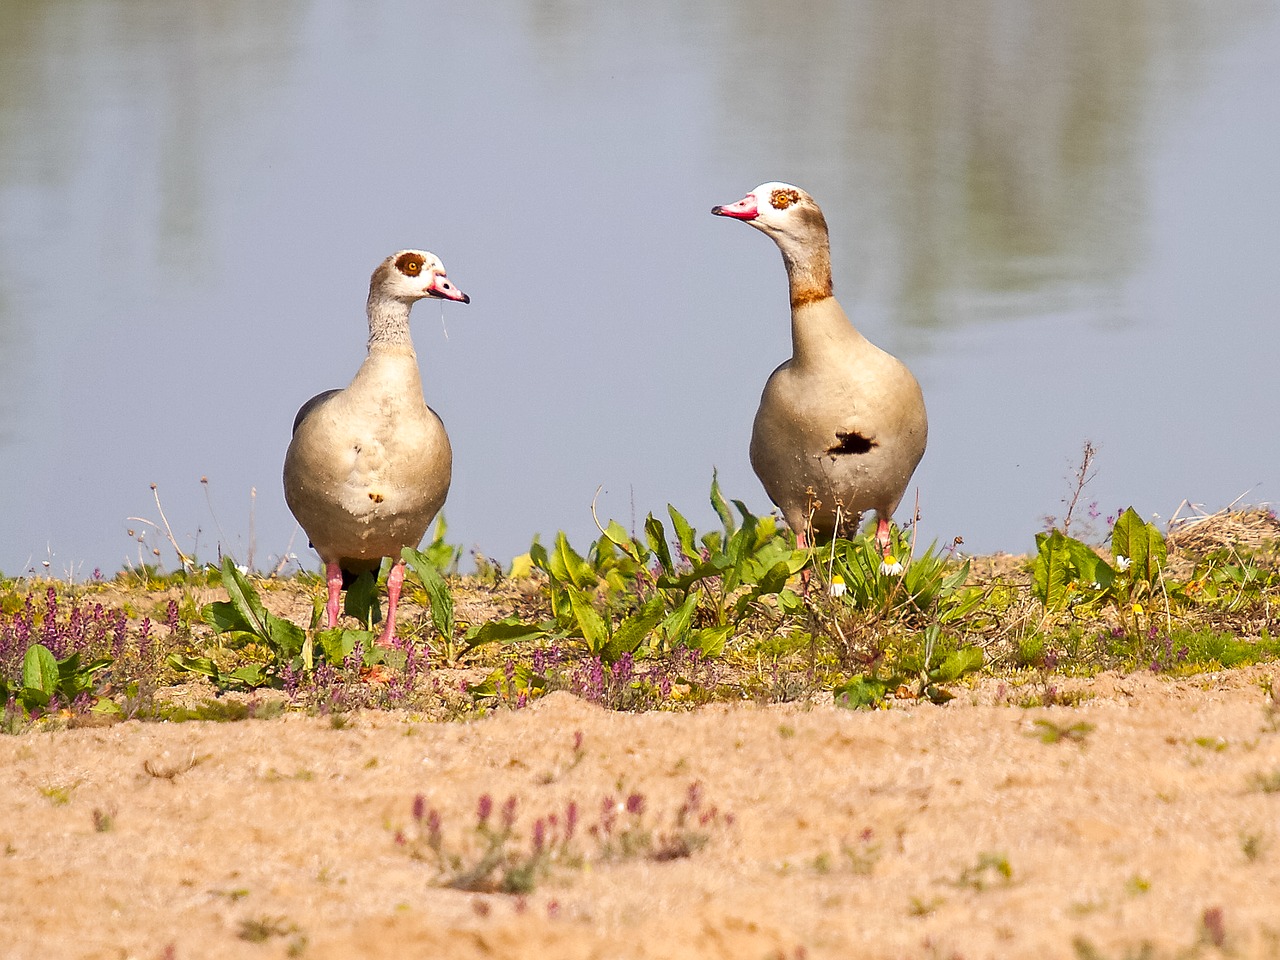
(40, 670)
(684, 535)
(336, 644)
(1052, 569)
(590, 623)
(656, 534)
(286, 637)
(773, 551)
(710, 640)
(361, 600)
(675, 627)
(957, 606)
(74, 678)
(33, 699)
(225, 617)
(538, 556)
(507, 630)
(956, 578)
(1141, 543)
(201, 665)
(720, 506)
(702, 570)
(772, 582)
(959, 662)
(522, 680)
(1089, 567)
(568, 566)
(439, 554)
(251, 675)
(618, 535)
(634, 630)
(442, 614)
(860, 692)
(791, 603)
(739, 547)
(245, 599)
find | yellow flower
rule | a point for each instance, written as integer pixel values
(837, 587)
(1137, 609)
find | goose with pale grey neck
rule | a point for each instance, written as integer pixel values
(369, 466)
(841, 425)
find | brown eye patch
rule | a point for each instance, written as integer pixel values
(410, 264)
(781, 199)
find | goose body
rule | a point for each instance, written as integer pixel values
(841, 425)
(369, 466)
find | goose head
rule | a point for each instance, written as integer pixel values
(411, 275)
(781, 210)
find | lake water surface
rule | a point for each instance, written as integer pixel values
(1065, 217)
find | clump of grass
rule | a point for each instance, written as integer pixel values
(261, 929)
(58, 794)
(1253, 846)
(171, 771)
(859, 858)
(1049, 732)
(1266, 782)
(500, 857)
(988, 870)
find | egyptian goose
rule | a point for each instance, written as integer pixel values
(841, 425)
(369, 466)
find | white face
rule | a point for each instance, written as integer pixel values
(766, 207)
(414, 274)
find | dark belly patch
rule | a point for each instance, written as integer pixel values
(850, 443)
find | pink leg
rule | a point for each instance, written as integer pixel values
(882, 537)
(395, 580)
(334, 573)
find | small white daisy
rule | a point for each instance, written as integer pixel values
(890, 566)
(1123, 563)
(837, 587)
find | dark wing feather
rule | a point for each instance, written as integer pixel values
(310, 405)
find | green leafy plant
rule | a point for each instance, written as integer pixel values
(440, 599)
(45, 678)
(272, 644)
(633, 596)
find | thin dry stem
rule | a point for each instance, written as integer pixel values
(187, 563)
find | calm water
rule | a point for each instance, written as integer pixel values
(1065, 217)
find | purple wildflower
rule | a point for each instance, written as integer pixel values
(539, 835)
(509, 812)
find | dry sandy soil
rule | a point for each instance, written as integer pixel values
(839, 834)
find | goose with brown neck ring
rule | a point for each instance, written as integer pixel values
(841, 425)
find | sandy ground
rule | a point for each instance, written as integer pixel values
(838, 834)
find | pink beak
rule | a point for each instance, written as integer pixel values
(744, 209)
(442, 288)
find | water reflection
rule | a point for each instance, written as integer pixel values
(188, 190)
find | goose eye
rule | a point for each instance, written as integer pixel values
(410, 264)
(781, 199)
